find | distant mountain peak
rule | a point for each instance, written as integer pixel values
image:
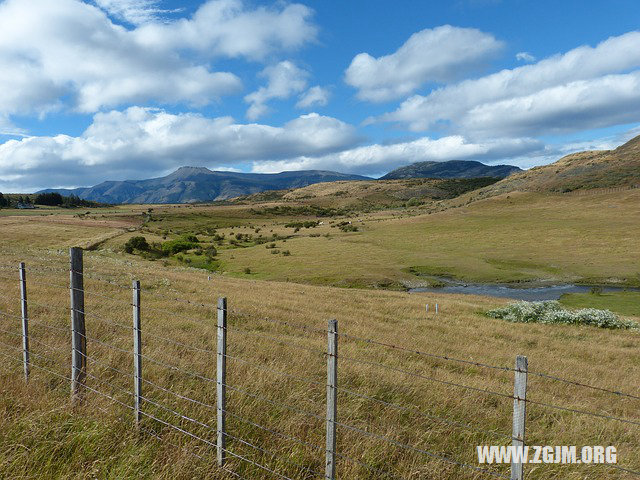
(451, 169)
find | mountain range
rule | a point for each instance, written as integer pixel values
(199, 184)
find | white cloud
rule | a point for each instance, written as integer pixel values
(526, 88)
(525, 57)
(230, 28)
(440, 55)
(140, 142)
(283, 81)
(376, 159)
(314, 96)
(135, 12)
(67, 53)
(580, 105)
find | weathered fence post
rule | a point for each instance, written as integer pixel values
(332, 399)
(78, 338)
(25, 320)
(221, 380)
(519, 414)
(137, 352)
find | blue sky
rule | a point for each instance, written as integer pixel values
(127, 89)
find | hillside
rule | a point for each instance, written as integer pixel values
(451, 169)
(578, 171)
(193, 184)
(374, 194)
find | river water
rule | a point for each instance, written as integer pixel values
(551, 292)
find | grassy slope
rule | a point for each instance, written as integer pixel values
(509, 238)
(579, 171)
(42, 437)
(623, 303)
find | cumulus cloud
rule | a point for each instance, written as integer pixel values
(314, 96)
(283, 81)
(525, 57)
(141, 142)
(134, 12)
(580, 105)
(439, 55)
(230, 28)
(548, 96)
(68, 53)
(378, 159)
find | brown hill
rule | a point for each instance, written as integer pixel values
(578, 171)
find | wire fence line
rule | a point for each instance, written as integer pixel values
(80, 378)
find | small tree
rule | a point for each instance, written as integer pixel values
(136, 243)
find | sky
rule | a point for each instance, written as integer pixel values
(131, 89)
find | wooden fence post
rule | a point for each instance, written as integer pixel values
(519, 413)
(78, 338)
(137, 352)
(221, 381)
(332, 399)
(25, 320)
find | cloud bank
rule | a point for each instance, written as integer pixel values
(587, 87)
(435, 55)
(70, 55)
(140, 142)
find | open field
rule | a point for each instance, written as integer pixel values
(520, 237)
(42, 436)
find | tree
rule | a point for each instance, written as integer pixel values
(51, 199)
(3, 201)
(136, 243)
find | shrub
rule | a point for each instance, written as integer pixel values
(247, 270)
(286, 253)
(189, 237)
(136, 243)
(552, 312)
(174, 246)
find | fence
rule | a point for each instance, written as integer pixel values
(323, 461)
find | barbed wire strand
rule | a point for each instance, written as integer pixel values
(424, 377)
(240, 457)
(423, 414)
(580, 384)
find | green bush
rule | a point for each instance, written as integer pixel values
(136, 243)
(175, 246)
(552, 312)
(189, 237)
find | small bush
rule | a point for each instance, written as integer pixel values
(286, 253)
(247, 270)
(179, 245)
(189, 237)
(136, 243)
(552, 312)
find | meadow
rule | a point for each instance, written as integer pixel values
(522, 237)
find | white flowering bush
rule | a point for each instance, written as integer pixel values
(553, 312)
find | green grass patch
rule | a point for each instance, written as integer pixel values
(623, 303)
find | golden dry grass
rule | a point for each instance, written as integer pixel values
(43, 437)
